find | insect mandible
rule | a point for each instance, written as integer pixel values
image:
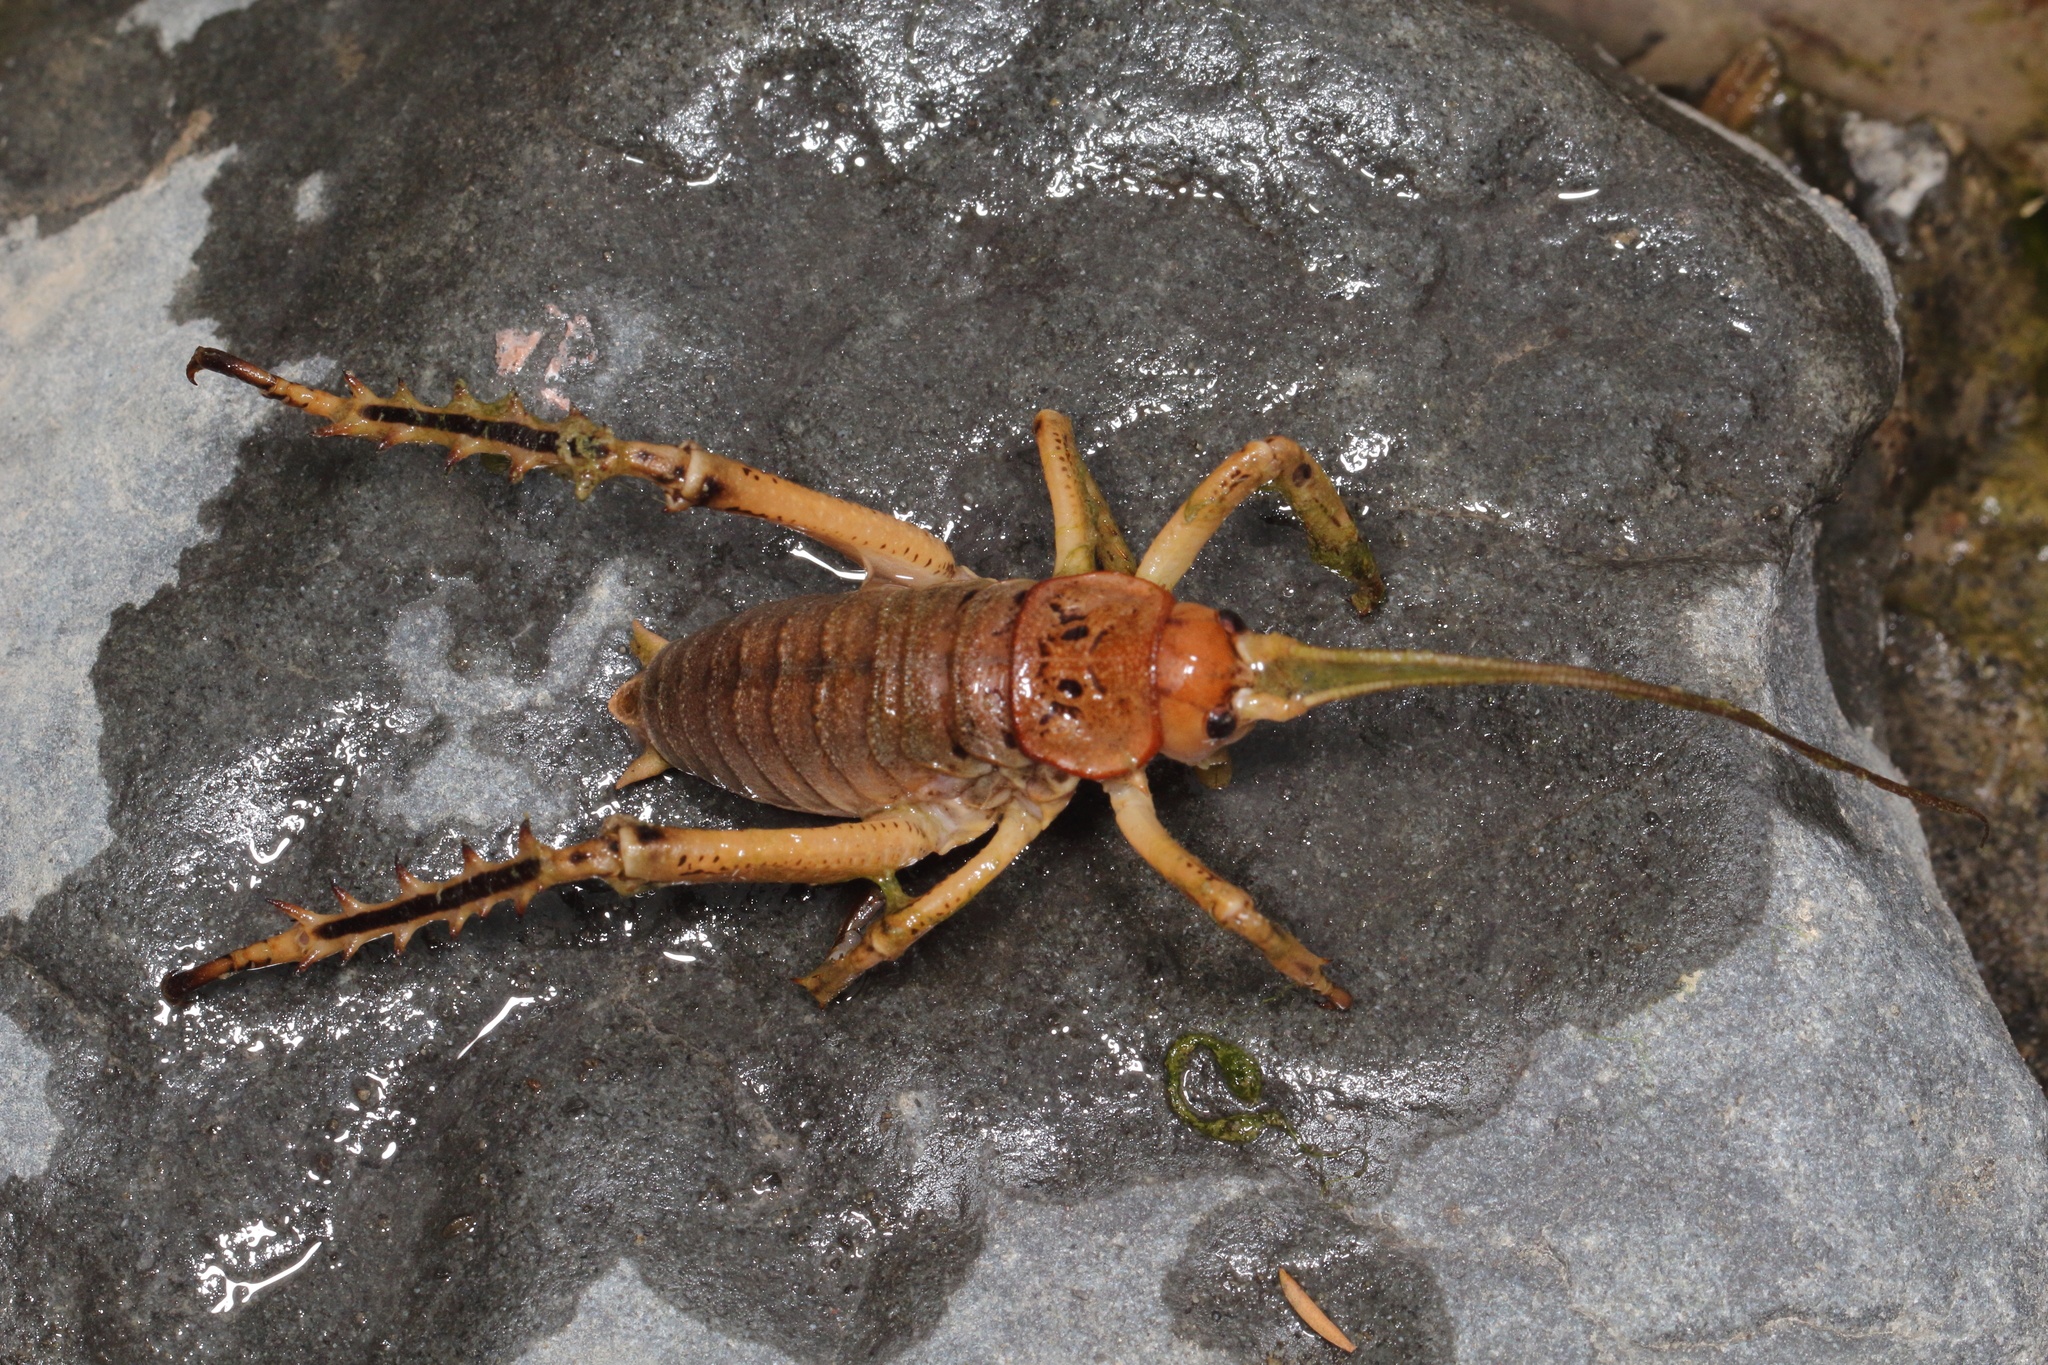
(927, 707)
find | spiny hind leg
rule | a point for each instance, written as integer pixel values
(1228, 905)
(1333, 539)
(1085, 534)
(586, 454)
(628, 854)
(892, 935)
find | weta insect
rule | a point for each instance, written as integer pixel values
(929, 706)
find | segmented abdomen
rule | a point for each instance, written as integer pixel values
(849, 703)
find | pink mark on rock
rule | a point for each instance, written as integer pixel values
(573, 330)
(514, 346)
(549, 398)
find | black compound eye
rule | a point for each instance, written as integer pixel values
(1232, 622)
(1222, 721)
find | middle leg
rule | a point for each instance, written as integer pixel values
(892, 936)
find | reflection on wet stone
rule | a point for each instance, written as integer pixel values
(860, 246)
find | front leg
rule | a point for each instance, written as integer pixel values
(587, 454)
(1228, 905)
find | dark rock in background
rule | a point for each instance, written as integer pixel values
(1931, 561)
(1665, 1045)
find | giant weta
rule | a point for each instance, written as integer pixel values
(928, 706)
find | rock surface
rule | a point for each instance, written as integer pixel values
(1665, 1046)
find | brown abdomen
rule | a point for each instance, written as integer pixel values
(846, 704)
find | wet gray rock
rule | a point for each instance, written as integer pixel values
(1665, 1047)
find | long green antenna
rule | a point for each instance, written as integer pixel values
(1288, 677)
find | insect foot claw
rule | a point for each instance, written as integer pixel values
(1299, 964)
(180, 987)
(821, 985)
(220, 362)
(837, 972)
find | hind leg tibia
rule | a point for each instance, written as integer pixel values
(586, 454)
(628, 854)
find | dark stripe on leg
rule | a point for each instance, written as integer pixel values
(498, 881)
(504, 433)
